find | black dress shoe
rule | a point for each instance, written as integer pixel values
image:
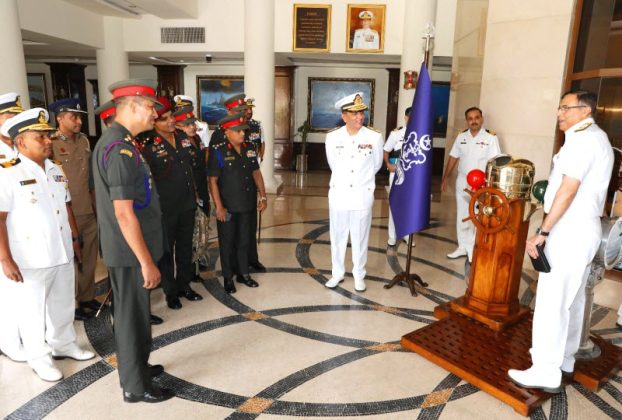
(247, 280)
(93, 305)
(190, 295)
(156, 370)
(173, 302)
(81, 315)
(229, 286)
(156, 395)
(257, 267)
(155, 320)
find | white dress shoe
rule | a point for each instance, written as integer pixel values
(73, 352)
(333, 282)
(459, 252)
(359, 285)
(16, 355)
(389, 243)
(532, 379)
(46, 370)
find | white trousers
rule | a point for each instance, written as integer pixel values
(356, 224)
(9, 331)
(44, 305)
(465, 231)
(560, 297)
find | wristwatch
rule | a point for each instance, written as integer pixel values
(541, 232)
(263, 199)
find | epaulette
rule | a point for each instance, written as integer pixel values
(336, 128)
(397, 128)
(465, 130)
(10, 163)
(491, 132)
(57, 162)
(54, 136)
(583, 127)
(373, 129)
(217, 145)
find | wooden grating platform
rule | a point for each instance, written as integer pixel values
(593, 374)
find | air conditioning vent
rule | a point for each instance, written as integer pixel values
(188, 35)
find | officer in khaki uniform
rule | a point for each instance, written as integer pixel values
(130, 228)
(71, 148)
(10, 343)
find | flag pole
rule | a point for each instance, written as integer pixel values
(406, 276)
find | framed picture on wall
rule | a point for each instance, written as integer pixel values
(37, 90)
(365, 28)
(311, 27)
(324, 92)
(440, 103)
(212, 91)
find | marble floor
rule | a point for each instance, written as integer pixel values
(292, 348)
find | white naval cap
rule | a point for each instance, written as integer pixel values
(10, 102)
(35, 119)
(182, 101)
(366, 14)
(353, 102)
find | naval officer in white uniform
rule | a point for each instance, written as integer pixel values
(392, 151)
(202, 127)
(37, 244)
(354, 154)
(573, 205)
(471, 150)
(10, 342)
(366, 38)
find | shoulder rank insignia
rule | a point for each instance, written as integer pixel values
(373, 129)
(10, 163)
(336, 128)
(397, 128)
(126, 152)
(57, 162)
(583, 127)
(491, 132)
(465, 130)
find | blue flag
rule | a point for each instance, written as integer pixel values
(410, 192)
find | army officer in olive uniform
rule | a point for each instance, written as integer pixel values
(234, 180)
(71, 147)
(130, 230)
(171, 156)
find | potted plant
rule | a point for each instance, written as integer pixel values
(301, 159)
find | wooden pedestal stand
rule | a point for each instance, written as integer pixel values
(486, 332)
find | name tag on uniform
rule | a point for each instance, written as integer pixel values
(59, 178)
(186, 143)
(2, 157)
(28, 182)
(365, 146)
(463, 142)
(338, 147)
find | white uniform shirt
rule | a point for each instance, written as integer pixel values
(354, 161)
(586, 156)
(37, 221)
(203, 132)
(395, 141)
(474, 152)
(366, 39)
(6, 152)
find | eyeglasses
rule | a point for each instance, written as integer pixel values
(566, 108)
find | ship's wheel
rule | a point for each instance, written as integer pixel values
(489, 210)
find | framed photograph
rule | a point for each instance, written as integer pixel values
(37, 90)
(440, 103)
(212, 91)
(311, 27)
(365, 28)
(324, 92)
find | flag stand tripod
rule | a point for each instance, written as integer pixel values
(405, 275)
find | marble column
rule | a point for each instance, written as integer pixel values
(259, 76)
(12, 53)
(112, 61)
(417, 14)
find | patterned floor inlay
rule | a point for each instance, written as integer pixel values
(342, 332)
